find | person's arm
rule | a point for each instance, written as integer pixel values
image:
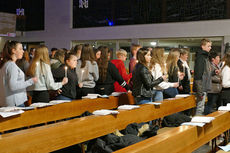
(49, 80)
(95, 71)
(180, 66)
(226, 77)
(123, 73)
(199, 68)
(132, 64)
(116, 76)
(147, 79)
(12, 73)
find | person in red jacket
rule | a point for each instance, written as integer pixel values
(119, 63)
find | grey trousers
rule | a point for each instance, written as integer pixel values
(200, 105)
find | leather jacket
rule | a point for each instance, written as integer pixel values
(143, 81)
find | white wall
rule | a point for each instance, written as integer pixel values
(58, 32)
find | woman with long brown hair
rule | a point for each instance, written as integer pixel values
(143, 81)
(225, 93)
(12, 78)
(40, 67)
(87, 71)
(108, 74)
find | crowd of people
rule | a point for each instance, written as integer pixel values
(82, 70)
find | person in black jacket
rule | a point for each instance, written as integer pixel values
(68, 91)
(143, 81)
(108, 74)
(184, 68)
(174, 75)
(202, 75)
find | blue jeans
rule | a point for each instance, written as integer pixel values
(61, 97)
(158, 96)
(170, 92)
(213, 98)
(21, 105)
(143, 100)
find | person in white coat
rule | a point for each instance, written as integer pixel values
(225, 93)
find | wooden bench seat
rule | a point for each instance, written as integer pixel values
(63, 134)
(62, 111)
(183, 139)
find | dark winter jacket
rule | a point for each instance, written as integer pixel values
(69, 89)
(106, 87)
(202, 73)
(185, 82)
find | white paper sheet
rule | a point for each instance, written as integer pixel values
(225, 148)
(12, 113)
(103, 96)
(224, 108)
(153, 103)
(116, 94)
(193, 124)
(40, 104)
(105, 112)
(90, 96)
(9, 109)
(59, 101)
(202, 119)
(128, 107)
(182, 95)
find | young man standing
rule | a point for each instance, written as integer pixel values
(202, 75)
(133, 59)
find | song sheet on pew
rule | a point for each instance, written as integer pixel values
(224, 108)
(94, 96)
(225, 148)
(199, 121)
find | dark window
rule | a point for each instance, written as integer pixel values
(128, 12)
(34, 13)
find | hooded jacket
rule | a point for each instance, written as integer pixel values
(202, 73)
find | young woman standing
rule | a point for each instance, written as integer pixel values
(143, 81)
(40, 67)
(12, 78)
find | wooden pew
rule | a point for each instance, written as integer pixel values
(63, 134)
(183, 139)
(62, 111)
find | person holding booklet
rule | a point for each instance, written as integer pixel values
(40, 67)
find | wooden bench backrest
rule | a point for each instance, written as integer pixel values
(63, 134)
(62, 111)
(184, 139)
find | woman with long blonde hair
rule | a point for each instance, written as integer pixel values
(173, 72)
(40, 67)
(158, 68)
